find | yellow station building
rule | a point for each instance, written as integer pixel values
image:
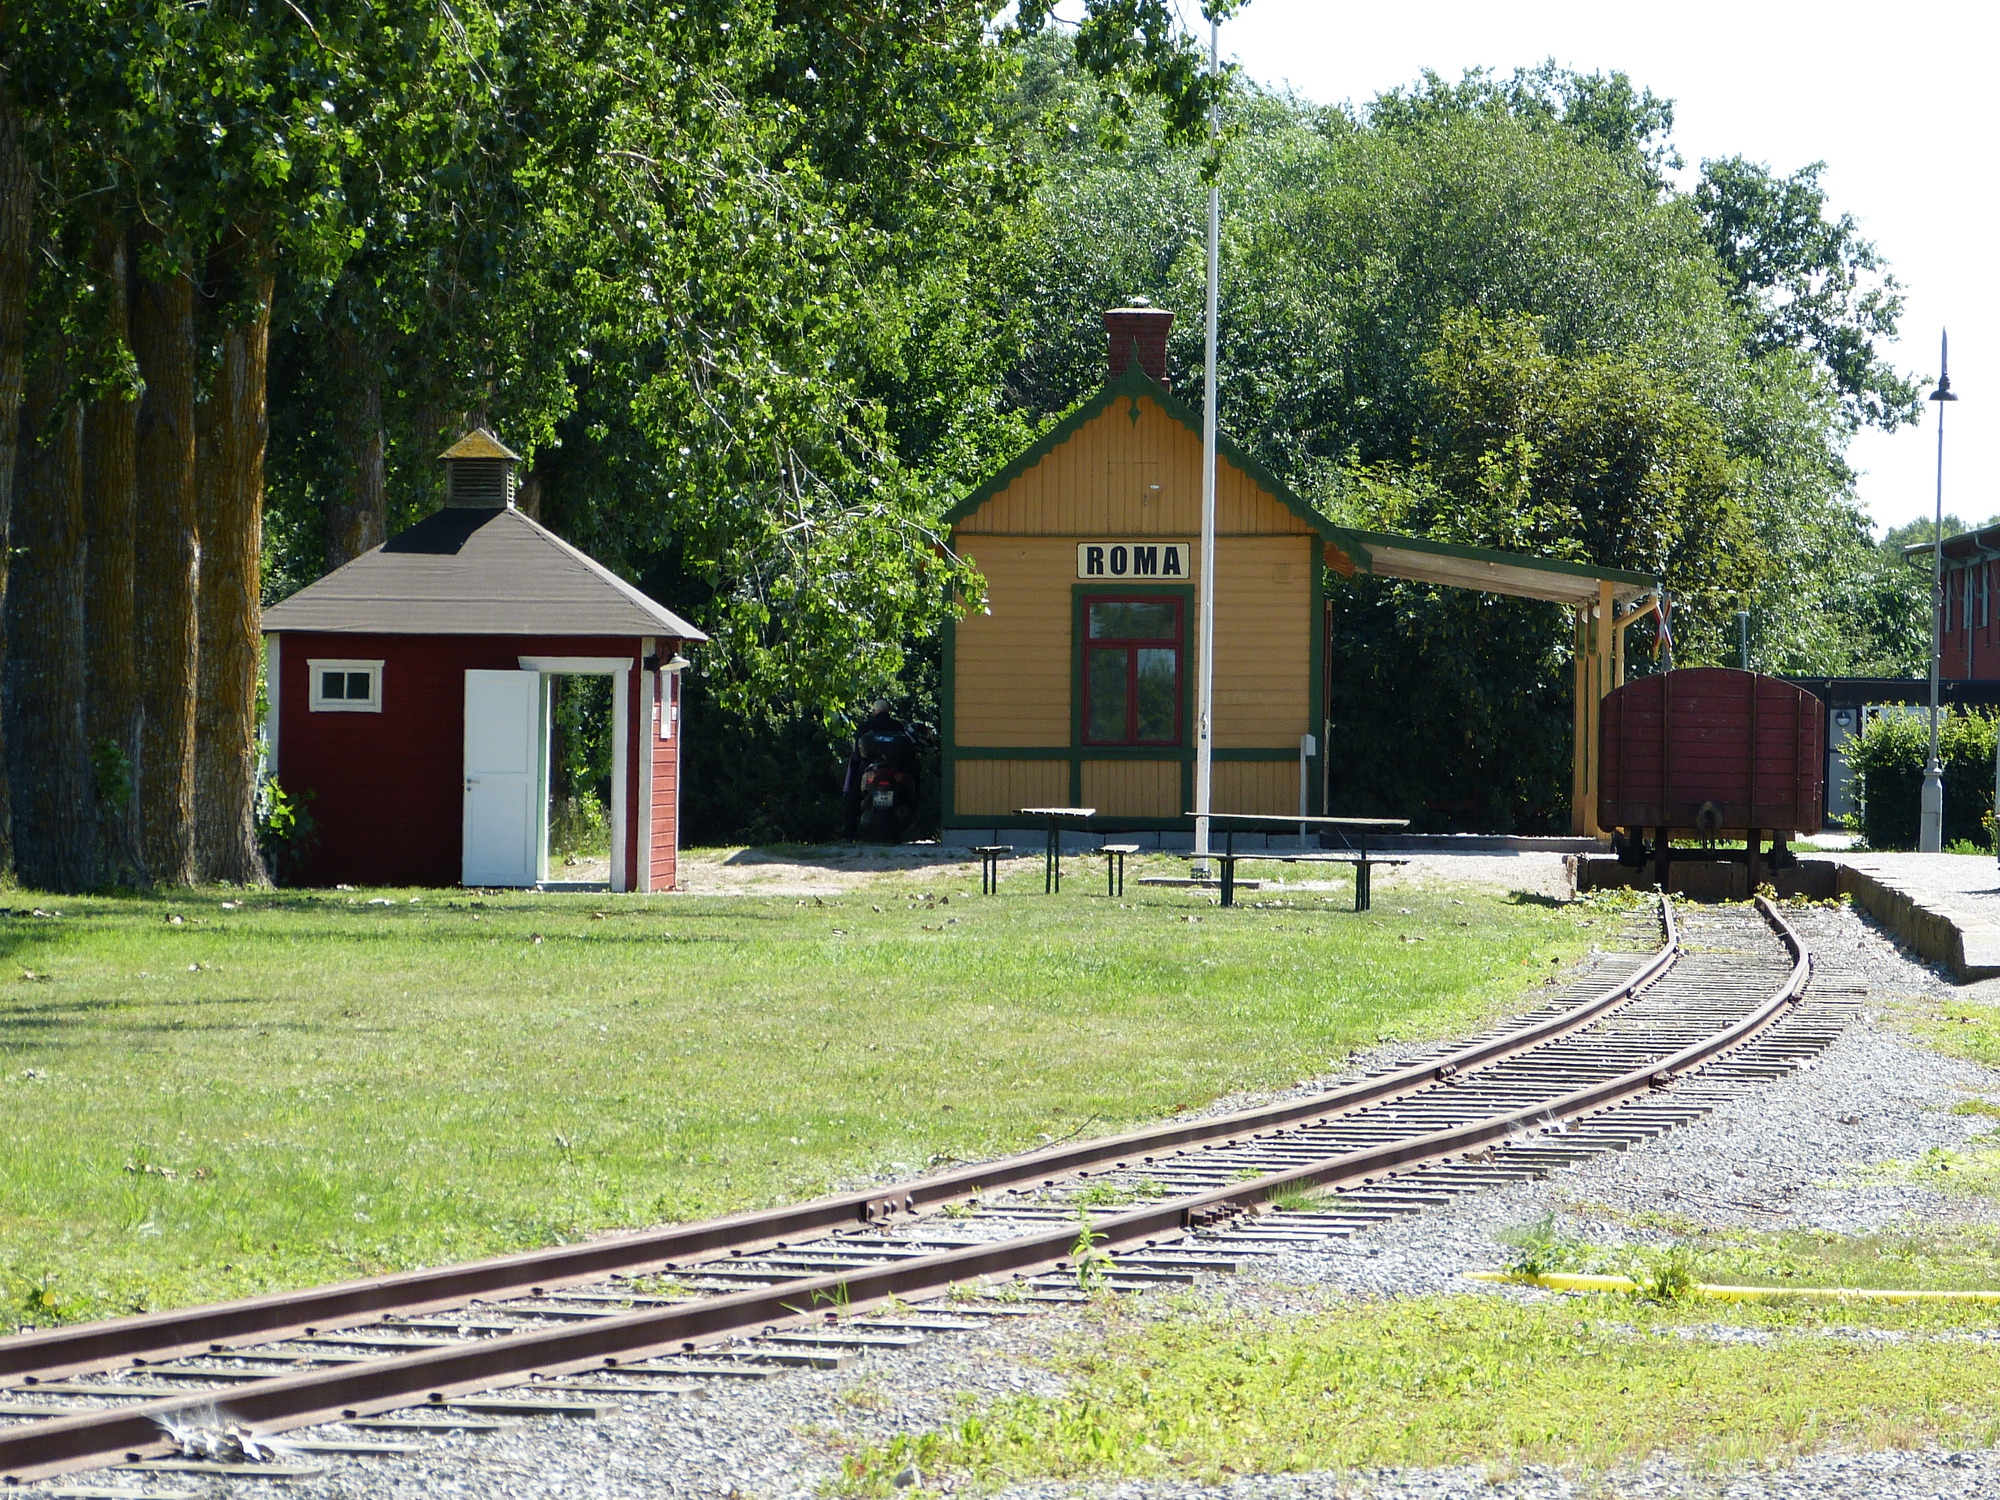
(1075, 685)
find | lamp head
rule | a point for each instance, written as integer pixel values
(1944, 391)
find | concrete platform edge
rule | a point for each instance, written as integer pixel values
(1929, 930)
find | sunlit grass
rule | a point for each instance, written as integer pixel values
(219, 1093)
(1949, 1258)
(1587, 1383)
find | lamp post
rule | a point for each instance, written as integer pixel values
(1204, 746)
(1930, 826)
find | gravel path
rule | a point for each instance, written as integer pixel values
(1784, 1155)
(834, 869)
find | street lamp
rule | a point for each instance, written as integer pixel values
(1930, 827)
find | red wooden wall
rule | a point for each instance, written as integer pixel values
(1671, 742)
(665, 829)
(388, 788)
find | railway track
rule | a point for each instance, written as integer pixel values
(1656, 1039)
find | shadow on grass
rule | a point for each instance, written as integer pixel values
(1536, 898)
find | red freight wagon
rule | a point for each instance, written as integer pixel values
(1709, 752)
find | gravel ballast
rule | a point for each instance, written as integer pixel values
(1795, 1153)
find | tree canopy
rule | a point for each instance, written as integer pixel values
(1480, 310)
(759, 288)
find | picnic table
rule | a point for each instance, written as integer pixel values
(1057, 817)
(1359, 857)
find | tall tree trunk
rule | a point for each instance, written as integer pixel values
(17, 213)
(357, 515)
(229, 458)
(165, 567)
(110, 502)
(49, 757)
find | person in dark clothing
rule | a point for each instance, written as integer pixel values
(882, 738)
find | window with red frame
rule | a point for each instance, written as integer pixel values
(1132, 670)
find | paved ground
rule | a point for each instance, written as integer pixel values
(1946, 906)
(1972, 879)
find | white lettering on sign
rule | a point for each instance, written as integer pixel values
(1103, 560)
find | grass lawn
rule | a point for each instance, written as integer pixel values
(1588, 1383)
(218, 1093)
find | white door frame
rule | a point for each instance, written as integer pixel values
(649, 718)
(619, 670)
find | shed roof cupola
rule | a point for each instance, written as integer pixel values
(479, 472)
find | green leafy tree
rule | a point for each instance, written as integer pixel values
(1476, 310)
(1807, 282)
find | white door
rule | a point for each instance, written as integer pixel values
(504, 801)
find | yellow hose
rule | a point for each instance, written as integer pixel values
(1566, 1281)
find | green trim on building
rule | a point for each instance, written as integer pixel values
(948, 725)
(1133, 384)
(1356, 543)
(1316, 688)
(1498, 558)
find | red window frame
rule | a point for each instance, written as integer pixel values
(1132, 646)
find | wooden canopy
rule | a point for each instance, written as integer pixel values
(1422, 560)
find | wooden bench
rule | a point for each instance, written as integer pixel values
(1114, 867)
(1362, 863)
(990, 856)
(1360, 858)
(1057, 818)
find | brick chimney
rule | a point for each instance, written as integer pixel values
(1144, 328)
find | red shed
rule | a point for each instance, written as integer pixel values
(409, 696)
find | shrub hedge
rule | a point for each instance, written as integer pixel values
(1888, 763)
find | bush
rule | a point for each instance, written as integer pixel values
(286, 832)
(1888, 763)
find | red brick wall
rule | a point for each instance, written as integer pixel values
(1146, 329)
(388, 789)
(1983, 640)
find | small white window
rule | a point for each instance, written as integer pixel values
(346, 687)
(670, 703)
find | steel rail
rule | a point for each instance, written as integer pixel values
(85, 1348)
(435, 1376)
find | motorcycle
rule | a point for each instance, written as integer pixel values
(888, 784)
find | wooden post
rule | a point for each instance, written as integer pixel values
(1578, 755)
(1617, 655)
(1602, 664)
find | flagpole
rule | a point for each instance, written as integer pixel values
(1205, 726)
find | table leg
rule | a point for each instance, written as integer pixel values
(1049, 862)
(1228, 863)
(1362, 896)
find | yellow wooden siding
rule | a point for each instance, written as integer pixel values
(1099, 482)
(1012, 676)
(1256, 786)
(1133, 788)
(1012, 680)
(1263, 642)
(995, 788)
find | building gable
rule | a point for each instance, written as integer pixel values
(1127, 462)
